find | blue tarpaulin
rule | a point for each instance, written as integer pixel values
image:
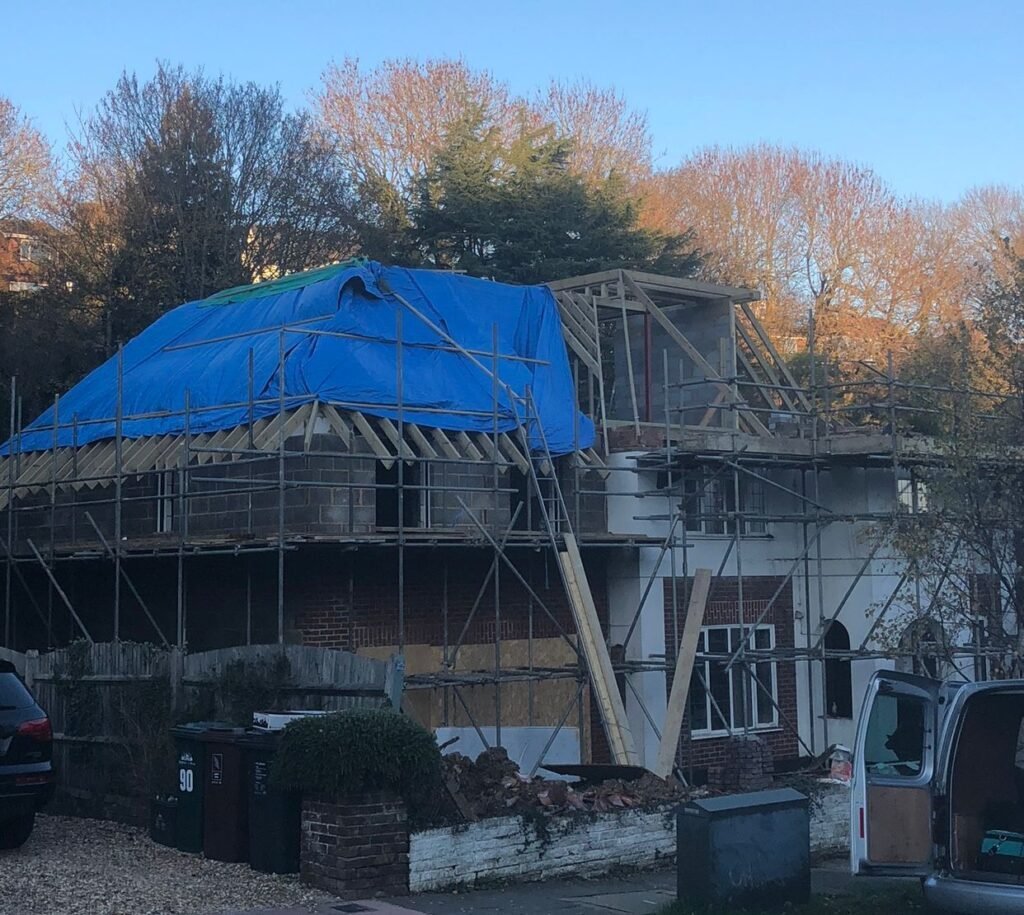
(203, 348)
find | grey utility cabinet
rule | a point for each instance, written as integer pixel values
(745, 848)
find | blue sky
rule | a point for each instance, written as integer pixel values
(930, 94)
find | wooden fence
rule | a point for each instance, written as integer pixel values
(112, 705)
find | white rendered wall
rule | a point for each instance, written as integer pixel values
(818, 586)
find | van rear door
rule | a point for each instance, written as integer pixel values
(893, 775)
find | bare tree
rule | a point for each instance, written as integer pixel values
(387, 123)
(183, 185)
(25, 164)
(820, 234)
(608, 136)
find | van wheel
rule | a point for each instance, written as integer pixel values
(14, 833)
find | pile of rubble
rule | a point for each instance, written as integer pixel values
(494, 786)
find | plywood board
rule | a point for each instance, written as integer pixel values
(595, 650)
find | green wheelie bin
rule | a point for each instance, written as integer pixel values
(275, 816)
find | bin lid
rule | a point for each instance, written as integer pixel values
(195, 729)
(751, 802)
(259, 739)
(224, 734)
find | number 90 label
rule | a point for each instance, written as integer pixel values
(185, 780)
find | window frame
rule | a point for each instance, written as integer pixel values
(911, 495)
(710, 494)
(735, 725)
(166, 495)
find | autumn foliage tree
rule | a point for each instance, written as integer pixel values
(26, 169)
(821, 236)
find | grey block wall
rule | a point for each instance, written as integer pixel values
(707, 325)
(327, 494)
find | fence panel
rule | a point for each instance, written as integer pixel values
(112, 704)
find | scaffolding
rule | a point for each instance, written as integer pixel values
(694, 416)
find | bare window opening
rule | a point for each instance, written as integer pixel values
(165, 502)
(912, 494)
(707, 501)
(524, 497)
(838, 674)
(415, 506)
(922, 645)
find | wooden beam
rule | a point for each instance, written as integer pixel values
(445, 444)
(595, 651)
(469, 450)
(338, 423)
(762, 335)
(709, 414)
(373, 440)
(766, 367)
(579, 349)
(684, 671)
(391, 431)
(587, 279)
(307, 438)
(694, 287)
(756, 380)
(416, 434)
(583, 328)
(512, 451)
(582, 309)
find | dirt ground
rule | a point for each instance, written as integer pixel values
(93, 867)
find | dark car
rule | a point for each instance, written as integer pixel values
(26, 751)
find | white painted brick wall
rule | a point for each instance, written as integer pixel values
(830, 819)
(507, 848)
(510, 849)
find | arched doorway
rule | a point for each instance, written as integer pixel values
(838, 675)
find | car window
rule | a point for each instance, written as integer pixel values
(13, 693)
(896, 736)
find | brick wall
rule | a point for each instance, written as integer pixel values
(723, 609)
(349, 599)
(356, 847)
(508, 848)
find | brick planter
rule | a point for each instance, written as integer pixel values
(356, 847)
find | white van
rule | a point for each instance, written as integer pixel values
(938, 790)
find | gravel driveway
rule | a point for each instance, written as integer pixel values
(73, 867)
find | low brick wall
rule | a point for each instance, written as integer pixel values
(356, 847)
(517, 849)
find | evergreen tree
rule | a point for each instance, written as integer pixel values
(514, 211)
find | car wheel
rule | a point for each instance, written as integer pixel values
(14, 833)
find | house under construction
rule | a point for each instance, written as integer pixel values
(511, 487)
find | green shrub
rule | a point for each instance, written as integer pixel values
(361, 750)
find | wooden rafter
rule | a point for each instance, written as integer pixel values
(784, 371)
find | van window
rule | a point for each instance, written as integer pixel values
(894, 745)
